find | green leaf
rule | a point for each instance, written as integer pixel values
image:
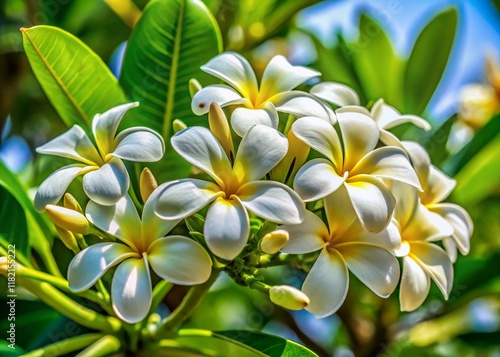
(242, 344)
(74, 78)
(335, 64)
(436, 142)
(272, 346)
(170, 42)
(428, 60)
(377, 66)
(13, 222)
(478, 142)
(6, 351)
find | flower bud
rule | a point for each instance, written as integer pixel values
(71, 203)
(194, 87)
(147, 184)
(288, 297)
(272, 242)
(295, 157)
(68, 219)
(68, 239)
(178, 125)
(219, 126)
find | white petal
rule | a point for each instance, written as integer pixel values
(353, 109)
(120, 220)
(167, 257)
(439, 186)
(180, 199)
(306, 237)
(273, 201)
(234, 69)
(389, 139)
(426, 226)
(461, 222)
(152, 225)
(131, 290)
(420, 160)
(388, 163)
(436, 263)
(339, 211)
(260, 150)
(372, 201)
(316, 179)
(451, 248)
(389, 238)
(104, 126)
(53, 188)
(302, 104)
(242, 119)
(336, 93)
(226, 228)
(93, 262)
(200, 147)
(407, 202)
(326, 284)
(415, 285)
(374, 266)
(360, 134)
(280, 76)
(107, 184)
(388, 117)
(73, 144)
(320, 136)
(139, 144)
(218, 93)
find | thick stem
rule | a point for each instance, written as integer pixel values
(65, 346)
(160, 291)
(185, 309)
(105, 346)
(60, 302)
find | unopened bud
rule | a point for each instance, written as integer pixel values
(147, 184)
(68, 239)
(219, 126)
(71, 203)
(68, 219)
(272, 242)
(178, 125)
(194, 87)
(288, 297)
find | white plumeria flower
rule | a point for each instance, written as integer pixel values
(259, 105)
(355, 165)
(345, 246)
(436, 188)
(237, 188)
(422, 259)
(386, 116)
(142, 246)
(105, 179)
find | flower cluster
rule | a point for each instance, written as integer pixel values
(363, 202)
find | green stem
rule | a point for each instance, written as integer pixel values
(48, 259)
(160, 291)
(185, 309)
(65, 346)
(254, 283)
(66, 306)
(290, 120)
(102, 347)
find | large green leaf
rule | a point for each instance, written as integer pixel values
(170, 42)
(335, 64)
(478, 142)
(241, 344)
(436, 140)
(270, 345)
(428, 60)
(376, 64)
(75, 79)
(13, 224)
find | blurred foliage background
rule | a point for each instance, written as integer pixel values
(416, 55)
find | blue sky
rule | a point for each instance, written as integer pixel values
(478, 33)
